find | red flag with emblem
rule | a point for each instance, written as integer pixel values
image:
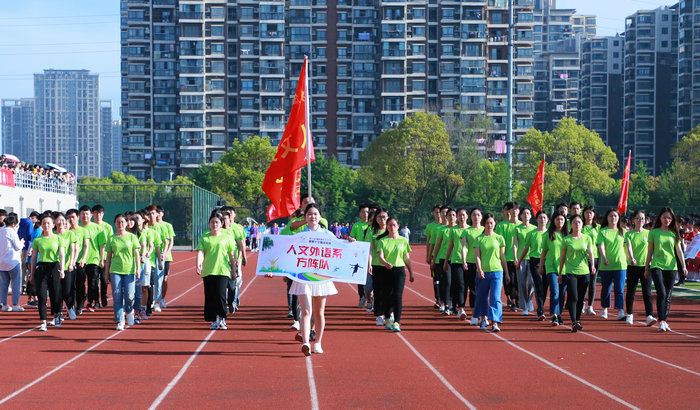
(537, 190)
(622, 203)
(282, 179)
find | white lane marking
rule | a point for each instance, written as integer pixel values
(66, 363)
(437, 373)
(186, 366)
(18, 334)
(673, 331)
(312, 383)
(554, 366)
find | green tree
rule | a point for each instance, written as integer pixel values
(333, 186)
(680, 183)
(639, 188)
(409, 161)
(580, 165)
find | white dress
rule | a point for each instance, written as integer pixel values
(314, 289)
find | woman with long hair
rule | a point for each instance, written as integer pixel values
(522, 265)
(577, 256)
(439, 259)
(590, 228)
(469, 258)
(613, 266)
(664, 246)
(549, 263)
(393, 252)
(123, 266)
(532, 249)
(47, 270)
(455, 258)
(490, 263)
(70, 243)
(378, 277)
(637, 241)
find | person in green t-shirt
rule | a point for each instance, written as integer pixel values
(93, 259)
(47, 269)
(236, 231)
(637, 241)
(216, 253)
(665, 244)
(377, 283)
(439, 258)
(77, 285)
(577, 256)
(526, 289)
(613, 263)
(549, 264)
(70, 245)
(393, 253)
(469, 237)
(357, 232)
(506, 229)
(591, 228)
(532, 250)
(168, 237)
(157, 267)
(429, 243)
(458, 289)
(98, 212)
(490, 252)
(123, 266)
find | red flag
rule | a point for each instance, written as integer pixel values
(622, 204)
(537, 190)
(283, 178)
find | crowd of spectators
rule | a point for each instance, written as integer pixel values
(35, 176)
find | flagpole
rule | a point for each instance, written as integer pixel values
(308, 124)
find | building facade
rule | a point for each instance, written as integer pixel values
(688, 67)
(196, 76)
(651, 86)
(18, 128)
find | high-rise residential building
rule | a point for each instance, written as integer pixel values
(602, 89)
(688, 67)
(651, 85)
(18, 128)
(106, 139)
(67, 120)
(116, 146)
(196, 76)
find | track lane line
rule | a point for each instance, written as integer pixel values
(673, 331)
(552, 365)
(66, 363)
(312, 383)
(186, 366)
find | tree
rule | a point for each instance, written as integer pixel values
(679, 184)
(580, 165)
(640, 187)
(333, 186)
(409, 161)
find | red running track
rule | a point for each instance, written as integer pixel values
(174, 361)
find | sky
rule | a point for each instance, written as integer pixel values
(84, 34)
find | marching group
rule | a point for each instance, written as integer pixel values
(473, 258)
(74, 260)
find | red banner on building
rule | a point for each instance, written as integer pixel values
(7, 178)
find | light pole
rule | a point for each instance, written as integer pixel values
(509, 118)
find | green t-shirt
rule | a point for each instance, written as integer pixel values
(456, 234)
(435, 233)
(593, 233)
(535, 242)
(664, 256)
(152, 236)
(429, 228)
(96, 238)
(48, 247)
(79, 235)
(472, 234)
(394, 250)
(640, 246)
(122, 249)
(490, 248)
(576, 262)
(68, 238)
(444, 235)
(551, 262)
(216, 254)
(521, 233)
(237, 232)
(162, 229)
(375, 244)
(171, 234)
(358, 230)
(108, 232)
(614, 245)
(507, 231)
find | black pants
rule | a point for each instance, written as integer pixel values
(577, 288)
(214, 297)
(293, 302)
(458, 289)
(396, 279)
(149, 292)
(470, 282)
(79, 283)
(380, 286)
(166, 268)
(445, 280)
(68, 288)
(592, 284)
(92, 272)
(512, 287)
(103, 286)
(635, 274)
(663, 282)
(539, 284)
(48, 277)
(361, 291)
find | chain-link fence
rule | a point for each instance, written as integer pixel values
(187, 207)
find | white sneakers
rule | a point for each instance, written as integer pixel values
(120, 325)
(156, 307)
(462, 314)
(317, 348)
(590, 311)
(630, 319)
(222, 324)
(295, 325)
(604, 313)
(650, 320)
(130, 318)
(43, 326)
(663, 326)
(621, 315)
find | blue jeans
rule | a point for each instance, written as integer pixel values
(123, 289)
(613, 279)
(158, 275)
(553, 280)
(488, 296)
(14, 277)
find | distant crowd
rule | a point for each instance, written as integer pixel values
(38, 177)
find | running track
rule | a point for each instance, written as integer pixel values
(175, 361)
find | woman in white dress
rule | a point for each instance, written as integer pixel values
(312, 297)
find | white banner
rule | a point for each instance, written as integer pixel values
(691, 251)
(311, 257)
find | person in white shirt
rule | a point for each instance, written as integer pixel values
(10, 263)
